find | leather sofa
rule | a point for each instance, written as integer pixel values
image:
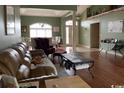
(17, 61)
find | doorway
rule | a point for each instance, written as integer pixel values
(69, 32)
(94, 36)
(69, 37)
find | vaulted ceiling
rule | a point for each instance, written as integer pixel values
(43, 12)
(51, 10)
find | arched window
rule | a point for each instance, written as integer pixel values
(40, 30)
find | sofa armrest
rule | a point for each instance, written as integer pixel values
(8, 81)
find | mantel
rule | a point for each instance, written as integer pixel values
(105, 13)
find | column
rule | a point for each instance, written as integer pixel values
(74, 31)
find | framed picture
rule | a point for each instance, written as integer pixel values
(55, 29)
(115, 26)
(9, 20)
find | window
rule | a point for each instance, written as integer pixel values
(70, 23)
(41, 30)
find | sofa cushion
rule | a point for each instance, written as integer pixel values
(11, 59)
(24, 45)
(27, 54)
(20, 50)
(8, 81)
(23, 72)
(27, 62)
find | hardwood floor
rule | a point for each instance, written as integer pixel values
(108, 70)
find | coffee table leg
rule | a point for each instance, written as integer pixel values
(74, 68)
(61, 61)
(53, 58)
(89, 69)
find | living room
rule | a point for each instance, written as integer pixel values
(108, 64)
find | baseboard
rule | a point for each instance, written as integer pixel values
(85, 46)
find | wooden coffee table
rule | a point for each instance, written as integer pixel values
(66, 82)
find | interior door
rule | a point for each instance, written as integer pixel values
(94, 39)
